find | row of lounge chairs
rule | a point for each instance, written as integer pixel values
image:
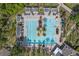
(47, 41)
(30, 11)
(20, 28)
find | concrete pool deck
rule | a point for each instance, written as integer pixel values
(36, 16)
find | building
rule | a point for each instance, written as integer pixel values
(64, 50)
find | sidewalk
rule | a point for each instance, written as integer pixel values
(65, 7)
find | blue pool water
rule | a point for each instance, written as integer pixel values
(33, 38)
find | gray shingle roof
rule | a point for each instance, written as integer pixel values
(67, 50)
(59, 54)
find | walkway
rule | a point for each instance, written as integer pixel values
(65, 7)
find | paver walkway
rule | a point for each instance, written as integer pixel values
(65, 7)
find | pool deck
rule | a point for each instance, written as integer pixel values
(36, 16)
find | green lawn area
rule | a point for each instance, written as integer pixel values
(8, 23)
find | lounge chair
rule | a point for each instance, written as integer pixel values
(47, 39)
(26, 13)
(57, 31)
(45, 19)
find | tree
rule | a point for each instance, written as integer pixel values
(75, 18)
(40, 10)
(75, 15)
(8, 26)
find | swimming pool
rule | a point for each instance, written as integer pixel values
(31, 34)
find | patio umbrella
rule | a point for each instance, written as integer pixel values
(47, 40)
(45, 24)
(52, 41)
(28, 41)
(39, 42)
(34, 41)
(44, 42)
(45, 19)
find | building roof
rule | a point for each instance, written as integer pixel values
(57, 51)
(64, 50)
(59, 54)
(67, 50)
(77, 54)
